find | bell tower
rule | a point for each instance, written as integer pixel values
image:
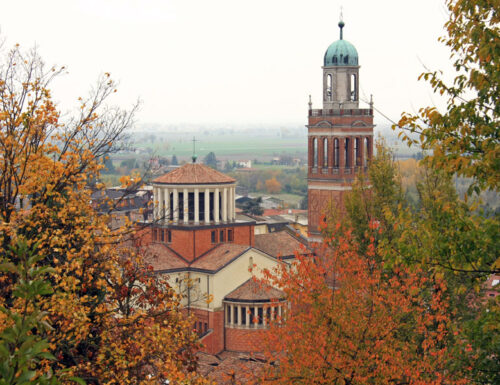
(340, 135)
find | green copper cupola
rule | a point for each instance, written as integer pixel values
(341, 74)
(341, 52)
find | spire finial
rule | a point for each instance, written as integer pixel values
(310, 103)
(194, 157)
(341, 22)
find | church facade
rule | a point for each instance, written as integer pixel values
(340, 135)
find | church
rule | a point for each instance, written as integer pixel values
(210, 256)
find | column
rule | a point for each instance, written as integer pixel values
(330, 154)
(196, 206)
(224, 204)
(155, 203)
(239, 315)
(161, 207)
(351, 152)
(176, 205)
(207, 205)
(231, 204)
(255, 320)
(167, 204)
(361, 147)
(370, 147)
(216, 205)
(185, 215)
(310, 155)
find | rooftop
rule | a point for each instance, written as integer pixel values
(278, 244)
(194, 173)
(219, 256)
(254, 291)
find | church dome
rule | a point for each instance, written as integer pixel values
(194, 173)
(341, 52)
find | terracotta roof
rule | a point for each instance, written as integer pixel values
(163, 258)
(229, 367)
(280, 243)
(219, 256)
(194, 173)
(254, 291)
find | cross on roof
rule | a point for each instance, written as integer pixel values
(194, 149)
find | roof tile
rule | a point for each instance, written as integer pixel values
(194, 173)
(254, 291)
(280, 243)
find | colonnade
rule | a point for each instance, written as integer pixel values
(333, 155)
(252, 315)
(188, 204)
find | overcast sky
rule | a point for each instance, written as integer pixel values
(231, 61)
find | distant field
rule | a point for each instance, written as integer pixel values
(236, 145)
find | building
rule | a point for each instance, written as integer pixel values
(210, 257)
(340, 135)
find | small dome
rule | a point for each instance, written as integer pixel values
(341, 53)
(194, 173)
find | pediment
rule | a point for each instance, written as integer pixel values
(359, 123)
(323, 124)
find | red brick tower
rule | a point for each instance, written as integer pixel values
(340, 135)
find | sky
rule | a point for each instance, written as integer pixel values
(231, 62)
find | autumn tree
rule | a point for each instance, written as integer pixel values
(273, 186)
(463, 139)
(353, 321)
(105, 300)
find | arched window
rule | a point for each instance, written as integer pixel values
(325, 152)
(346, 152)
(354, 88)
(357, 151)
(315, 152)
(336, 153)
(367, 151)
(346, 59)
(335, 60)
(329, 87)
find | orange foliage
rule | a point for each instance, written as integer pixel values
(113, 321)
(353, 320)
(273, 186)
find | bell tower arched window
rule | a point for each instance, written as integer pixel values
(347, 157)
(315, 152)
(329, 87)
(354, 88)
(325, 153)
(357, 151)
(336, 157)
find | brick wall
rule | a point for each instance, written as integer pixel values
(318, 203)
(213, 342)
(245, 340)
(192, 243)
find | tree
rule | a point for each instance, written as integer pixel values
(273, 186)
(352, 321)
(210, 160)
(22, 353)
(464, 138)
(98, 309)
(109, 167)
(252, 206)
